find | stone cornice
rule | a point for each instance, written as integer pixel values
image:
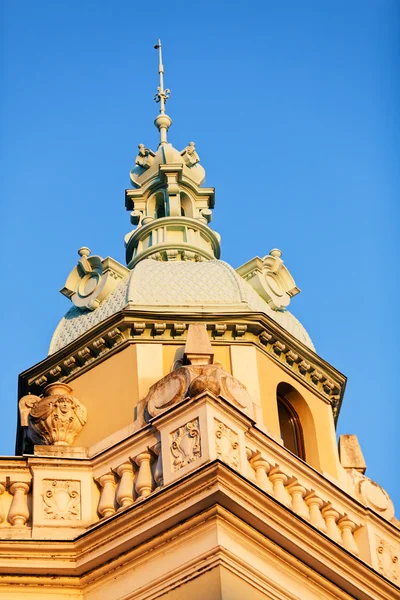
(133, 326)
(211, 494)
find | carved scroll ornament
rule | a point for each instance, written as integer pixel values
(271, 279)
(61, 499)
(371, 494)
(55, 419)
(192, 380)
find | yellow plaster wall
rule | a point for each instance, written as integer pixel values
(110, 392)
(315, 415)
(171, 351)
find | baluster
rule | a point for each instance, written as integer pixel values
(261, 468)
(2, 513)
(297, 492)
(279, 480)
(125, 487)
(331, 516)
(19, 512)
(158, 472)
(314, 506)
(106, 506)
(347, 527)
(144, 479)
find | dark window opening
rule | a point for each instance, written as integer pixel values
(290, 426)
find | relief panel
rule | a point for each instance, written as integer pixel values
(227, 444)
(185, 445)
(388, 561)
(62, 499)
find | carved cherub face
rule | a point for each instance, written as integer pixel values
(64, 404)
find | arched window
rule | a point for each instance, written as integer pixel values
(160, 210)
(291, 430)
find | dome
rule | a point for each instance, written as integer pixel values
(176, 287)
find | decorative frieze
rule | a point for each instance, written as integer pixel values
(227, 444)
(185, 444)
(61, 499)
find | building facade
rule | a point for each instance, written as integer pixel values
(179, 439)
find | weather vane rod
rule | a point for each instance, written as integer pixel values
(163, 121)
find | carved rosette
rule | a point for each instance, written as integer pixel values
(227, 444)
(185, 444)
(55, 419)
(61, 499)
(388, 561)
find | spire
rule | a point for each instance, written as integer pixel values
(169, 205)
(162, 121)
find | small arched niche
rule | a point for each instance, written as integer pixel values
(297, 424)
(186, 206)
(156, 206)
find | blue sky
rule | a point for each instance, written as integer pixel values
(293, 106)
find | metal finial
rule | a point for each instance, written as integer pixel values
(162, 94)
(162, 122)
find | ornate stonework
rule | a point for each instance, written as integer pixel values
(190, 381)
(55, 419)
(271, 279)
(388, 561)
(190, 155)
(61, 499)
(185, 444)
(92, 279)
(227, 444)
(145, 157)
(372, 495)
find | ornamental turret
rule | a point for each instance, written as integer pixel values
(168, 203)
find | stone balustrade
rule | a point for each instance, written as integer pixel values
(38, 492)
(15, 492)
(297, 494)
(129, 482)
